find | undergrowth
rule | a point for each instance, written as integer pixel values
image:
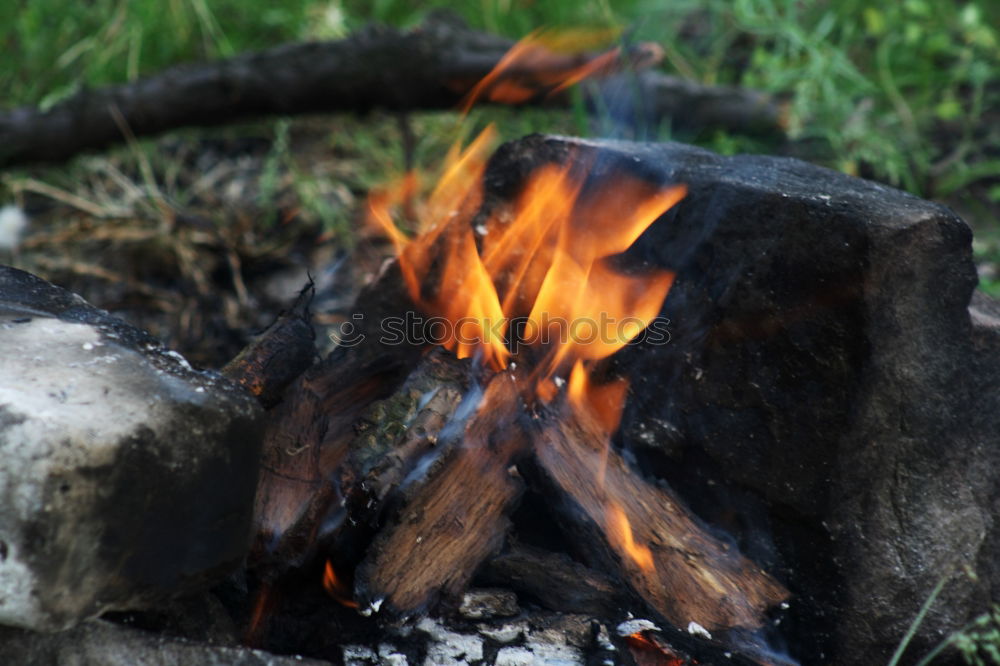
(907, 93)
(879, 85)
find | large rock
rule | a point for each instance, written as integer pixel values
(126, 475)
(825, 397)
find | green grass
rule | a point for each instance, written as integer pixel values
(896, 91)
(50, 48)
(907, 93)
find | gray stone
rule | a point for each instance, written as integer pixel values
(127, 475)
(100, 643)
(825, 396)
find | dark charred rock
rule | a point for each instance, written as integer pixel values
(128, 476)
(829, 402)
(100, 643)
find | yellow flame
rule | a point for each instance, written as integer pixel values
(619, 530)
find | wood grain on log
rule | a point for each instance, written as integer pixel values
(305, 447)
(456, 519)
(666, 556)
(431, 67)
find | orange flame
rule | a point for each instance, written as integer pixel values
(545, 61)
(603, 401)
(545, 261)
(619, 531)
(548, 264)
(336, 587)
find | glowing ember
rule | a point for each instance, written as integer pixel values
(647, 652)
(258, 619)
(336, 587)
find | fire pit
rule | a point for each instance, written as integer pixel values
(799, 304)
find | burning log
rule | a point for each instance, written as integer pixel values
(432, 67)
(307, 439)
(443, 532)
(401, 430)
(674, 564)
(384, 454)
(457, 519)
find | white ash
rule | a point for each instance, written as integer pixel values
(630, 627)
(552, 654)
(604, 639)
(696, 629)
(388, 656)
(489, 603)
(505, 633)
(359, 655)
(372, 608)
(515, 656)
(448, 648)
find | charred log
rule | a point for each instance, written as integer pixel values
(386, 444)
(554, 580)
(276, 357)
(308, 434)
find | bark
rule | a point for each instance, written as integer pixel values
(276, 357)
(456, 518)
(309, 433)
(431, 67)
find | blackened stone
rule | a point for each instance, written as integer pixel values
(831, 404)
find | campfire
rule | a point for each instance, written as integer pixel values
(480, 369)
(595, 401)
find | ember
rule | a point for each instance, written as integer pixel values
(336, 587)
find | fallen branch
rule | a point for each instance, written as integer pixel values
(431, 67)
